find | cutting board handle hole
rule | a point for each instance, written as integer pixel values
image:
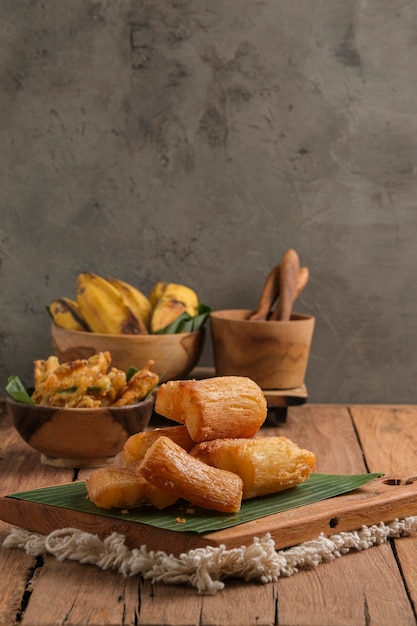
(400, 481)
(333, 522)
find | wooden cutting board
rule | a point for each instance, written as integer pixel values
(382, 500)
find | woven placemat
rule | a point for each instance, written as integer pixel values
(205, 568)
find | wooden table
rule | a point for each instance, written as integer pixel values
(377, 586)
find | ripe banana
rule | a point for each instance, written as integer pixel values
(103, 308)
(157, 293)
(136, 301)
(175, 299)
(66, 314)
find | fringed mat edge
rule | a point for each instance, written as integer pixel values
(205, 568)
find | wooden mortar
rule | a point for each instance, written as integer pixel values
(274, 354)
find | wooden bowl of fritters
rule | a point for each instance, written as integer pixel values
(79, 437)
(80, 413)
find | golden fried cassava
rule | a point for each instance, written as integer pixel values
(265, 464)
(170, 467)
(214, 408)
(136, 446)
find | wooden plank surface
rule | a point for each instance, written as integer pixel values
(388, 436)
(359, 588)
(348, 590)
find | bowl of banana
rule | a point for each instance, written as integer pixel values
(80, 413)
(110, 314)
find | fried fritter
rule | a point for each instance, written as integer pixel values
(42, 369)
(139, 385)
(88, 383)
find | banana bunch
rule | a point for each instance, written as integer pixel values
(112, 306)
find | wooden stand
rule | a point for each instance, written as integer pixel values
(278, 401)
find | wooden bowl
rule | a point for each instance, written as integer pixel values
(78, 437)
(274, 354)
(175, 355)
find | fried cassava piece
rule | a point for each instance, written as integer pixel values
(265, 464)
(115, 487)
(214, 408)
(136, 446)
(168, 466)
(124, 488)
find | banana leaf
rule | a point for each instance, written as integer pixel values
(318, 487)
(184, 323)
(16, 390)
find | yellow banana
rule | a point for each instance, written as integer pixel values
(176, 299)
(103, 308)
(157, 293)
(66, 314)
(135, 300)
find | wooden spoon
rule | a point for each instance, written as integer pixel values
(303, 278)
(269, 294)
(290, 268)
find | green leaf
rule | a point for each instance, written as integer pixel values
(318, 487)
(130, 372)
(16, 390)
(185, 323)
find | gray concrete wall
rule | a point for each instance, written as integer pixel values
(196, 141)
